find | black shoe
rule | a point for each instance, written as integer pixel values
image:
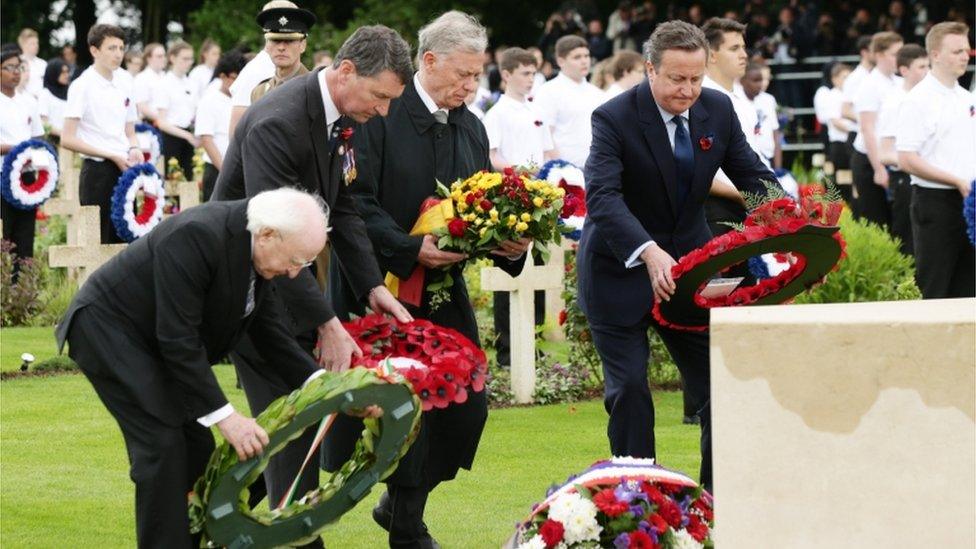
(383, 516)
(691, 420)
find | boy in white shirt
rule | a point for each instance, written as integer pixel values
(19, 121)
(29, 45)
(99, 123)
(627, 68)
(870, 175)
(853, 83)
(516, 137)
(766, 129)
(567, 101)
(913, 65)
(516, 134)
(176, 106)
(936, 147)
(213, 118)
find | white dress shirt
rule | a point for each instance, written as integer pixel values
(178, 96)
(201, 75)
(851, 85)
(213, 119)
(518, 132)
(942, 129)
(53, 108)
(332, 113)
(765, 105)
(425, 97)
(256, 71)
(827, 105)
(19, 119)
(145, 85)
(870, 95)
(102, 107)
(748, 119)
(36, 83)
(566, 106)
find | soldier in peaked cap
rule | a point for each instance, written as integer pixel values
(285, 28)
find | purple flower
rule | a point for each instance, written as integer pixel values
(622, 541)
(637, 510)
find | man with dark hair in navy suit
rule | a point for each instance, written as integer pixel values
(655, 151)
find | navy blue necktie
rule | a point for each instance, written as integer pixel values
(684, 159)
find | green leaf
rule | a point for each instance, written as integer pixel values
(442, 189)
(444, 242)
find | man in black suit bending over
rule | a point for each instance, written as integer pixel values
(147, 325)
(655, 151)
(299, 135)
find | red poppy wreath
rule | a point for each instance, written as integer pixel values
(805, 232)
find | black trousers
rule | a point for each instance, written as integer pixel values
(96, 183)
(900, 191)
(839, 153)
(624, 351)
(18, 227)
(210, 174)
(501, 312)
(181, 150)
(945, 260)
(262, 387)
(872, 200)
(164, 459)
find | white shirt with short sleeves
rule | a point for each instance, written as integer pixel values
(19, 119)
(768, 122)
(518, 132)
(145, 85)
(201, 75)
(178, 96)
(36, 83)
(102, 107)
(887, 125)
(213, 119)
(827, 105)
(566, 106)
(869, 97)
(53, 108)
(942, 129)
(851, 84)
(748, 119)
(256, 71)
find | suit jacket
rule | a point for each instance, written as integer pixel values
(180, 293)
(282, 141)
(401, 157)
(632, 194)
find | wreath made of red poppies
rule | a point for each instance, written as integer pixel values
(441, 364)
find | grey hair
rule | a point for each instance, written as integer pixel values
(374, 49)
(450, 32)
(673, 35)
(287, 211)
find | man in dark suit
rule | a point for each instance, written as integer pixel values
(655, 151)
(298, 135)
(428, 136)
(147, 325)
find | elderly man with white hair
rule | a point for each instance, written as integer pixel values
(146, 327)
(429, 135)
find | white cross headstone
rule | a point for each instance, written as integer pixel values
(554, 297)
(87, 253)
(187, 193)
(522, 316)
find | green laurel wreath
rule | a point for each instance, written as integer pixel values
(218, 504)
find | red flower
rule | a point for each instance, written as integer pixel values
(346, 133)
(640, 540)
(457, 226)
(658, 523)
(552, 532)
(562, 317)
(705, 142)
(697, 528)
(653, 494)
(670, 512)
(485, 205)
(469, 199)
(606, 501)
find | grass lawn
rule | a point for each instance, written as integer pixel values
(64, 473)
(17, 341)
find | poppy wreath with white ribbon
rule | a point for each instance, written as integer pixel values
(131, 222)
(150, 141)
(29, 174)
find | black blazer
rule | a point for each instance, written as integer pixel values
(631, 194)
(282, 141)
(401, 158)
(180, 292)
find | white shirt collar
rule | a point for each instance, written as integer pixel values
(332, 113)
(570, 82)
(708, 82)
(668, 116)
(424, 96)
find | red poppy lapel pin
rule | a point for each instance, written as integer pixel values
(705, 142)
(538, 123)
(346, 134)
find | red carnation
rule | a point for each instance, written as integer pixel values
(606, 501)
(697, 528)
(552, 532)
(469, 199)
(485, 205)
(670, 512)
(705, 142)
(640, 540)
(658, 524)
(653, 494)
(508, 170)
(457, 226)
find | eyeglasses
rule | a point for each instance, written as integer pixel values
(14, 68)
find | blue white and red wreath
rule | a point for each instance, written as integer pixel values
(150, 141)
(129, 223)
(29, 174)
(566, 175)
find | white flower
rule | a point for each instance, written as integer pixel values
(578, 516)
(683, 540)
(535, 543)
(625, 461)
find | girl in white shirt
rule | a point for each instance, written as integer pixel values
(176, 104)
(148, 81)
(54, 95)
(203, 74)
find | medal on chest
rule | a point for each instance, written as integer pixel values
(348, 155)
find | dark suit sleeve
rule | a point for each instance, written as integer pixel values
(352, 244)
(741, 163)
(275, 343)
(605, 206)
(397, 250)
(183, 270)
(270, 162)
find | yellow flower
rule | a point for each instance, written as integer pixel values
(461, 206)
(526, 217)
(478, 221)
(512, 220)
(560, 192)
(538, 201)
(522, 227)
(470, 217)
(482, 231)
(494, 214)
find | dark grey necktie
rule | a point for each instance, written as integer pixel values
(249, 304)
(441, 116)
